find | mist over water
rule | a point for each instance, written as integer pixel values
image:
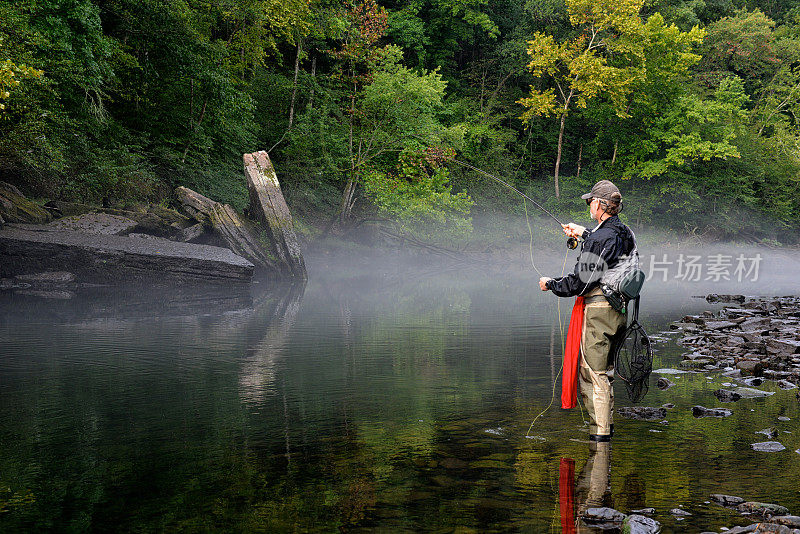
(394, 391)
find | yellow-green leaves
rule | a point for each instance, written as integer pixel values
(586, 66)
(11, 76)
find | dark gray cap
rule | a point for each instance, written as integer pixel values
(603, 189)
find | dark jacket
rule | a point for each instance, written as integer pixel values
(609, 241)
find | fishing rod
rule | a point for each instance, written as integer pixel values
(572, 242)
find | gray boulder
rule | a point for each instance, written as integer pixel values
(639, 524)
(602, 515)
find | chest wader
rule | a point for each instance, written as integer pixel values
(596, 373)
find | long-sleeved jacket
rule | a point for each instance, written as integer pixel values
(610, 240)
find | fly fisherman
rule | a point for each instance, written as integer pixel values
(594, 322)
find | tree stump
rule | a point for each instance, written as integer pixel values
(268, 206)
(241, 237)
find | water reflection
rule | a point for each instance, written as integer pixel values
(360, 402)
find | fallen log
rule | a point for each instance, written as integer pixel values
(240, 236)
(268, 206)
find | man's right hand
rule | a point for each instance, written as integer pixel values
(573, 230)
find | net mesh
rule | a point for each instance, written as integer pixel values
(633, 360)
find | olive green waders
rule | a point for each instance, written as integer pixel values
(596, 372)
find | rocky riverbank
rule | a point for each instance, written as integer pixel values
(200, 241)
(752, 337)
(749, 341)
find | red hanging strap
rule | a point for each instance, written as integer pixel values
(569, 379)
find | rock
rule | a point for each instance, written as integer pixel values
(644, 511)
(639, 524)
(719, 325)
(758, 528)
(763, 509)
(45, 280)
(59, 208)
(109, 259)
(643, 413)
(756, 323)
(753, 381)
(602, 515)
(787, 520)
(699, 363)
(149, 222)
(784, 418)
(726, 395)
(769, 446)
(771, 433)
(678, 512)
(784, 346)
(750, 367)
(671, 371)
(95, 223)
(713, 297)
(726, 500)
(751, 393)
(191, 234)
(15, 208)
(242, 238)
(268, 206)
(664, 383)
(700, 411)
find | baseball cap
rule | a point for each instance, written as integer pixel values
(603, 189)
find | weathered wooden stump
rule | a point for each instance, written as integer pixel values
(268, 206)
(240, 237)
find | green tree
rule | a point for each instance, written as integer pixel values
(580, 68)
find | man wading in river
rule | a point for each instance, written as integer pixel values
(594, 321)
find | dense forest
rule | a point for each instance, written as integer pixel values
(369, 110)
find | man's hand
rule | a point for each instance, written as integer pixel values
(542, 283)
(573, 230)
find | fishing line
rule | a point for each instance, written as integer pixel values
(572, 243)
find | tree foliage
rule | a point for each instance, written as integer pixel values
(121, 100)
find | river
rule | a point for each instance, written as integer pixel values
(386, 394)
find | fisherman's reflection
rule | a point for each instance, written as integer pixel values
(591, 491)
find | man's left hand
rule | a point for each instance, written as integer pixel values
(543, 283)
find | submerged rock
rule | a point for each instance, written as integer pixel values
(727, 395)
(643, 413)
(768, 432)
(639, 524)
(678, 512)
(768, 446)
(762, 508)
(726, 500)
(664, 383)
(750, 393)
(602, 515)
(702, 411)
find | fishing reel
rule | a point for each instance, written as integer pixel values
(572, 243)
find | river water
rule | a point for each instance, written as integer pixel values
(386, 394)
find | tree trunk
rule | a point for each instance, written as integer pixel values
(313, 81)
(614, 155)
(558, 156)
(580, 155)
(294, 88)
